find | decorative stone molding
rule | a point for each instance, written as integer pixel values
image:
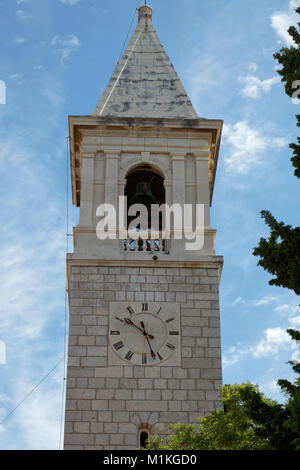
(152, 161)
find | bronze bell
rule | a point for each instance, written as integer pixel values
(143, 194)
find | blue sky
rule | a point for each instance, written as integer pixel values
(56, 59)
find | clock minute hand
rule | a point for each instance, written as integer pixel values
(153, 355)
(130, 322)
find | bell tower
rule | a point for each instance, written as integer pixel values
(144, 339)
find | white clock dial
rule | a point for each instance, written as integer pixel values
(143, 334)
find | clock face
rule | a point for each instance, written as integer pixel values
(144, 334)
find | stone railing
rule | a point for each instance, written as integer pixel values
(145, 244)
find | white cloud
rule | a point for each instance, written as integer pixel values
(15, 76)
(287, 308)
(279, 141)
(238, 300)
(32, 278)
(296, 356)
(69, 2)
(25, 286)
(234, 354)
(65, 45)
(253, 67)
(21, 15)
(247, 144)
(229, 361)
(20, 40)
(70, 41)
(282, 20)
(254, 87)
(204, 74)
(274, 340)
(39, 416)
(266, 300)
(270, 387)
(295, 321)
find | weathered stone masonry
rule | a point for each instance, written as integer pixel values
(107, 405)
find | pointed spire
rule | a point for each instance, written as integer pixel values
(145, 13)
(145, 83)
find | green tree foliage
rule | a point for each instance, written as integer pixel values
(277, 424)
(270, 422)
(231, 430)
(280, 253)
(296, 154)
(292, 393)
(289, 59)
(250, 422)
(280, 256)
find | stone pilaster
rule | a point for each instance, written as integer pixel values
(87, 190)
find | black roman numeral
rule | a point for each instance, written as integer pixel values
(170, 319)
(144, 359)
(174, 333)
(144, 307)
(130, 310)
(171, 346)
(119, 345)
(129, 356)
(114, 333)
(158, 311)
(160, 357)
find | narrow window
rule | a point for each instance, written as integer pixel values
(144, 436)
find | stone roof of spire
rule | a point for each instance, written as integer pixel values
(145, 83)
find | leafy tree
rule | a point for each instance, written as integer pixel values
(289, 58)
(270, 422)
(277, 424)
(292, 393)
(231, 430)
(280, 256)
(296, 154)
(250, 422)
(280, 253)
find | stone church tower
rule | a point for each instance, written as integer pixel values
(144, 339)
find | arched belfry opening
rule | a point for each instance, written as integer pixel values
(145, 185)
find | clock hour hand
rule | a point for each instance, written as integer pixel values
(130, 322)
(153, 355)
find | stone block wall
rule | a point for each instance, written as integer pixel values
(107, 405)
